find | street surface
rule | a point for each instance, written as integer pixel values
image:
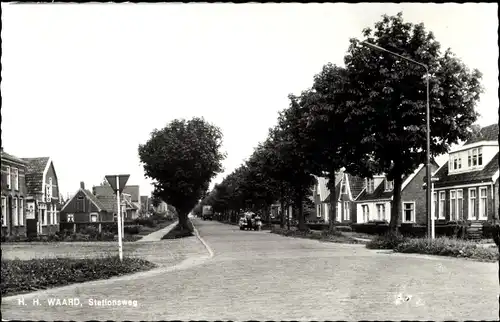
(262, 276)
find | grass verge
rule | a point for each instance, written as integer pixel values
(441, 246)
(325, 236)
(22, 276)
(179, 232)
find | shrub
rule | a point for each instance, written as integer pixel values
(132, 230)
(178, 232)
(344, 228)
(386, 241)
(20, 276)
(371, 228)
(447, 247)
(89, 230)
(148, 222)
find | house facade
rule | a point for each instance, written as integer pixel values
(135, 198)
(467, 184)
(375, 201)
(84, 207)
(105, 194)
(13, 196)
(347, 189)
(42, 195)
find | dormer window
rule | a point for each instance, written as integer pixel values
(475, 157)
(370, 185)
(389, 185)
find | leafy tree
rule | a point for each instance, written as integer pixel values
(293, 150)
(182, 158)
(387, 98)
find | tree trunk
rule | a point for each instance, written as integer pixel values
(288, 216)
(282, 204)
(183, 220)
(396, 203)
(302, 222)
(333, 205)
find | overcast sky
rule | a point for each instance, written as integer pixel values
(85, 84)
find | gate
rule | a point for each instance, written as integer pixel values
(31, 228)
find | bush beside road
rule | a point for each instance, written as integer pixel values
(22, 276)
(179, 232)
(335, 237)
(442, 246)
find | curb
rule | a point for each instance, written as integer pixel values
(197, 234)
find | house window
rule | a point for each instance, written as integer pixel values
(15, 212)
(460, 204)
(483, 203)
(476, 157)
(389, 185)
(409, 211)
(380, 211)
(8, 177)
(366, 213)
(470, 158)
(44, 217)
(115, 217)
(442, 204)
(453, 205)
(15, 178)
(347, 212)
(4, 212)
(455, 163)
(343, 188)
(370, 185)
(93, 217)
(434, 205)
(21, 212)
(472, 203)
(71, 217)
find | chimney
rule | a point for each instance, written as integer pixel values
(82, 185)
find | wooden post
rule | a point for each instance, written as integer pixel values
(100, 228)
(74, 227)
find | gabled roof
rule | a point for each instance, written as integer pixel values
(133, 191)
(378, 194)
(10, 157)
(484, 175)
(108, 203)
(356, 184)
(90, 196)
(487, 133)
(35, 169)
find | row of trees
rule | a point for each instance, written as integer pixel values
(366, 117)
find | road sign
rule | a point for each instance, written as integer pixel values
(122, 181)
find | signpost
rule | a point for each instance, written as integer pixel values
(117, 183)
(433, 214)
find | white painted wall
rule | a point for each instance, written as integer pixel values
(373, 215)
(489, 152)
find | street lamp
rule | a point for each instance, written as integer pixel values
(428, 132)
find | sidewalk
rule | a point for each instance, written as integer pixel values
(157, 235)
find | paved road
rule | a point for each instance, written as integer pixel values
(261, 276)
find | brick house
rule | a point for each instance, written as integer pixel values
(14, 194)
(375, 200)
(135, 199)
(347, 189)
(467, 186)
(105, 194)
(84, 207)
(42, 194)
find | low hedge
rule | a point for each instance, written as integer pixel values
(451, 229)
(20, 276)
(180, 232)
(69, 237)
(132, 229)
(442, 246)
(334, 237)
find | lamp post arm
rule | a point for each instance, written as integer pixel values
(395, 54)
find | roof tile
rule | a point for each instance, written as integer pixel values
(487, 133)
